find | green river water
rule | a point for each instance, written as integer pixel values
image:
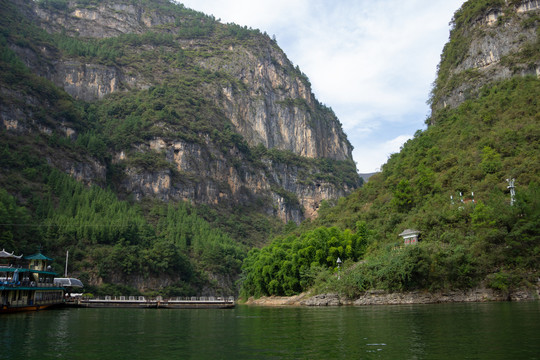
(438, 331)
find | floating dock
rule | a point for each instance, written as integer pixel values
(142, 302)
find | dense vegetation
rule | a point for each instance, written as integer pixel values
(291, 264)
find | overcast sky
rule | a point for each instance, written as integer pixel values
(372, 61)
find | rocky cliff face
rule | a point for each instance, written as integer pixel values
(488, 43)
(203, 174)
(248, 79)
(275, 109)
(101, 19)
(263, 113)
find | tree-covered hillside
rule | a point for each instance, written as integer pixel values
(450, 182)
(170, 246)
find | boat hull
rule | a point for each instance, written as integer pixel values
(14, 309)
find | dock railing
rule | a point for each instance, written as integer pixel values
(178, 299)
(134, 299)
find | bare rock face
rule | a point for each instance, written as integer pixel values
(202, 174)
(107, 19)
(277, 109)
(497, 44)
(323, 300)
(88, 172)
(479, 294)
(380, 297)
(87, 81)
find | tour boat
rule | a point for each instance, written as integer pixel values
(27, 283)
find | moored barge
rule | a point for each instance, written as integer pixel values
(142, 302)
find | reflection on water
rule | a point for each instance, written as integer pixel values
(449, 331)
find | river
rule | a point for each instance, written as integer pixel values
(440, 331)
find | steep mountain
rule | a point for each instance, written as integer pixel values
(451, 182)
(207, 99)
(202, 136)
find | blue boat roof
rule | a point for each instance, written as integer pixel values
(38, 256)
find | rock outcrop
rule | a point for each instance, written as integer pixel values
(377, 297)
(203, 175)
(380, 297)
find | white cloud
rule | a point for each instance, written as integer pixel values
(373, 62)
(258, 14)
(371, 157)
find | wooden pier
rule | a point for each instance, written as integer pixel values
(142, 302)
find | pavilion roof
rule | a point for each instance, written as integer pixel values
(5, 254)
(409, 232)
(38, 256)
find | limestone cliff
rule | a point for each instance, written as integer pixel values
(490, 41)
(233, 81)
(206, 176)
(276, 107)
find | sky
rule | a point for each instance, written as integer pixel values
(372, 61)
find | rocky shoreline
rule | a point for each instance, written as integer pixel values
(379, 297)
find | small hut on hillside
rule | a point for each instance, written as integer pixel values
(410, 236)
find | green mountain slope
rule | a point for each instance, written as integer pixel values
(463, 243)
